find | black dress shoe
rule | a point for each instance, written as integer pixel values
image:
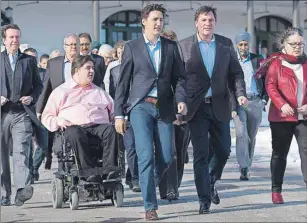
(204, 208)
(244, 174)
(171, 196)
(214, 196)
(35, 175)
(23, 195)
(48, 163)
(5, 201)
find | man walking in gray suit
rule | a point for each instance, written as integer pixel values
(20, 89)
(247, 120)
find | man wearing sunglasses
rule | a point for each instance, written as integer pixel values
(247, 120)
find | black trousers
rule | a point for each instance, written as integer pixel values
(203, 123)
(132, 174)
(79, 138)
(171, 180)
(282, 133)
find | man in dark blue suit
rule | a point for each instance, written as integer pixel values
(213, 72)
(151, 74)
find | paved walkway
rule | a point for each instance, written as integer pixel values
(240, 201)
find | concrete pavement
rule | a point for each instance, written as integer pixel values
(248, 201)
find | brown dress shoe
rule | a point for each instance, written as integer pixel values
(151, 215)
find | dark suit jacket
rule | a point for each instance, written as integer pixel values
(31, 84)
(227, 75)
(114, 76)
(55, 77)
(100, 70)
(260, 83)
(138, 77)
(42, 74)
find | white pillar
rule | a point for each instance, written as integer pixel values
(250, 25)
(96, 21)
(296, 14)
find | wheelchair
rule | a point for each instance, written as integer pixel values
(69, 186)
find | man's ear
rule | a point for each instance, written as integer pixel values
(143, 22)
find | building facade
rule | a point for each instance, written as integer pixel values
(44, 24)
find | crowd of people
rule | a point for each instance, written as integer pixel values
(156, 94)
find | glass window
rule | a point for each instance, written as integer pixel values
(273, 25)
(123, 25)
(262, 24)
(103, 36)
(134, 19)
(280, 26)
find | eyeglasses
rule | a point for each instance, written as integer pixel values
(295, 45)
(72, 44)
(85, 44)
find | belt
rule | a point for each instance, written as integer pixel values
(152, 100)
(208, 100)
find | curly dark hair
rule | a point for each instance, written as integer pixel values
(280, 40)
(204, 10)
(152, 7)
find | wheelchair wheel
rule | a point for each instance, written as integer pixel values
(118, 196)
(74, 200)
(57, 192)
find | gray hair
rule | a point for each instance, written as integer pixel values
(70, 35)
(105, 48)
(286, 34)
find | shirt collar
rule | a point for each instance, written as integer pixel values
(66, 60)
(15, 55)
(147, 40)
(200, 40)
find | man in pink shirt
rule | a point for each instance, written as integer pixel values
(83, 109)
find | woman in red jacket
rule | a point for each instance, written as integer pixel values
(286, 85)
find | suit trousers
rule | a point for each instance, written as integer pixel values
(17, 128)
(78, 138)
(145, 121)
(171, 180)
(203, 123)
(132, 175)
(40, 145)
(246, 124)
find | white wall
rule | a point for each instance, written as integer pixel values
(45, 25)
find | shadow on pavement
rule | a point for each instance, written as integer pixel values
(245, 207)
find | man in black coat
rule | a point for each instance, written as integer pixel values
(212, 70)
(20, 89)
